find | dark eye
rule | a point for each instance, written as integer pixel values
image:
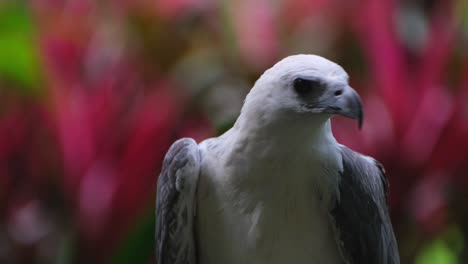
(305, 86)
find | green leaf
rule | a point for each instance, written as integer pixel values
(443, 250)
(19, 59)
(461, 15)
(139, 244)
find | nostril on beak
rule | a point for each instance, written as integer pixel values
(339, 92)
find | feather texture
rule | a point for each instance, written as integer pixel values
(364, 231)
(175, 204)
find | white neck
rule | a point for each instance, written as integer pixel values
(269, 151)
(266, 138)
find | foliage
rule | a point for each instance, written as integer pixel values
(94, 93)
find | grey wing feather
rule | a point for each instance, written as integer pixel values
(175, 204)
(362, 222)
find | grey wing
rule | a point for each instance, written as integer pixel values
(362, 222)
(175, 204)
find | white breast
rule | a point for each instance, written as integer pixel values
(276, 217)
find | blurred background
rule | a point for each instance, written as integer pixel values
(92, 94)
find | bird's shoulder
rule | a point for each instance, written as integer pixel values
(181, 162)
(175, 203)
(365, 171)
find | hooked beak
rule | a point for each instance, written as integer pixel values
(343, 101)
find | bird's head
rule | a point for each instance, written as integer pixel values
(306, 86)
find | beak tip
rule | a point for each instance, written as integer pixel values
(360, 119)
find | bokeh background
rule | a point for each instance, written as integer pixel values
(92, 94)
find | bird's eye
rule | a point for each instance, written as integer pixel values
(305, 86)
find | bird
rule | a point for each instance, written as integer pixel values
(277, 187)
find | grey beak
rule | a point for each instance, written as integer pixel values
(344, 101)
